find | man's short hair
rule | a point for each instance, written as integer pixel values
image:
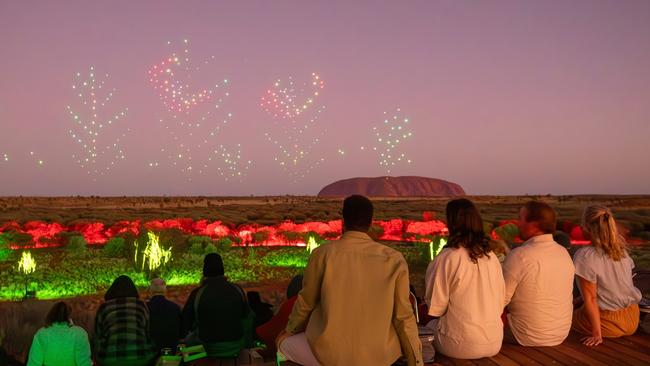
(357, 213)
(158, 286)
(542, 214)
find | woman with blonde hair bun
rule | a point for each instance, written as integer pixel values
(604, 276)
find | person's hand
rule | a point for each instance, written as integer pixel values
(281, 337)
(592, 341)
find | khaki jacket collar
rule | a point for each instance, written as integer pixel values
(358, 235)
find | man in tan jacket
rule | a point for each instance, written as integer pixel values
(354, 306)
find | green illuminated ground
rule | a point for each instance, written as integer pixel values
(63, 272)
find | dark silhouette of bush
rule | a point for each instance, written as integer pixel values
(115, 248)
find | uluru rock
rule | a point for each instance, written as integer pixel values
(392, 187)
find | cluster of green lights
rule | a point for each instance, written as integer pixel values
(154, 256)
(27, 263)
(312, 244)
(436, 248)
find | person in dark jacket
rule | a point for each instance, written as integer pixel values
(164, 317)
(122, 327)
(269, 331)
(263, 311)
(216, 313)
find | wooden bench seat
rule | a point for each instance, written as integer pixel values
(626, 351)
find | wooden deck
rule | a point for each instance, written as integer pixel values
(633, 350)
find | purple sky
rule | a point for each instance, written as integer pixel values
(503, 97)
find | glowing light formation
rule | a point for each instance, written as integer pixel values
(195, 117)
(96, 130)
(389, 136)
(435, 249)
(37, 160)
(284, 101)
(312, 244)
(295, 109)
(234, 165)
(154, 255)
(27, 263)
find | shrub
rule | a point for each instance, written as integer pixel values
(5, 251)
(507, 232)
(115, 248)
(291, 236)
(77, 246)
(196, 248)
(210, 248)
(17, 238)
(260, 236)
(223, 244)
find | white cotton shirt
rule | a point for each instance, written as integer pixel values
(468, 298)
(539, 291)
(614, 278)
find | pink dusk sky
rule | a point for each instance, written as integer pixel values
(501, 97)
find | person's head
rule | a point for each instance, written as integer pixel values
(536, 218)
(357, 213)
(254, 298)
(562, 238)
(213, 265)
(59, 313)
(599, 226)
(294, 286)
(158, 287)
(122, 287)
(466, 228)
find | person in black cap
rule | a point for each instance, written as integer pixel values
(216, 313)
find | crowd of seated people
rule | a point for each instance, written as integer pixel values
(353, 304)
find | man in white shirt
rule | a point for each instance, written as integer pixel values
(539, 282)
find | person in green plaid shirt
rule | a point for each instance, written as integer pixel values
(122, 327)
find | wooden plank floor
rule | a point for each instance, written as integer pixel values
(626, 351)
(633, 350)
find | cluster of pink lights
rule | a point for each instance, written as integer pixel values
(284, 234)
(175, 95)
(284, 101)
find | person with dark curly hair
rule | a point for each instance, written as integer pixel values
(465, 288)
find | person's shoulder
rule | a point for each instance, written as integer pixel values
(389, 252)
(518, 251)
(79, 331)
(585, 253)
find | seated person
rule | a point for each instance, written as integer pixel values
(539, 282)
(604, 275)
(268, 331)
(465, 288)
(216, 313)
(354, 306)
(164, 317)
(122, 335)
(263, 311)
(60, 342)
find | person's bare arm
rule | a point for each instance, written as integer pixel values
(590, 296)
(512, 273)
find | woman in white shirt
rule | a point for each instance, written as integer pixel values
(465, 288)
(604, 276)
